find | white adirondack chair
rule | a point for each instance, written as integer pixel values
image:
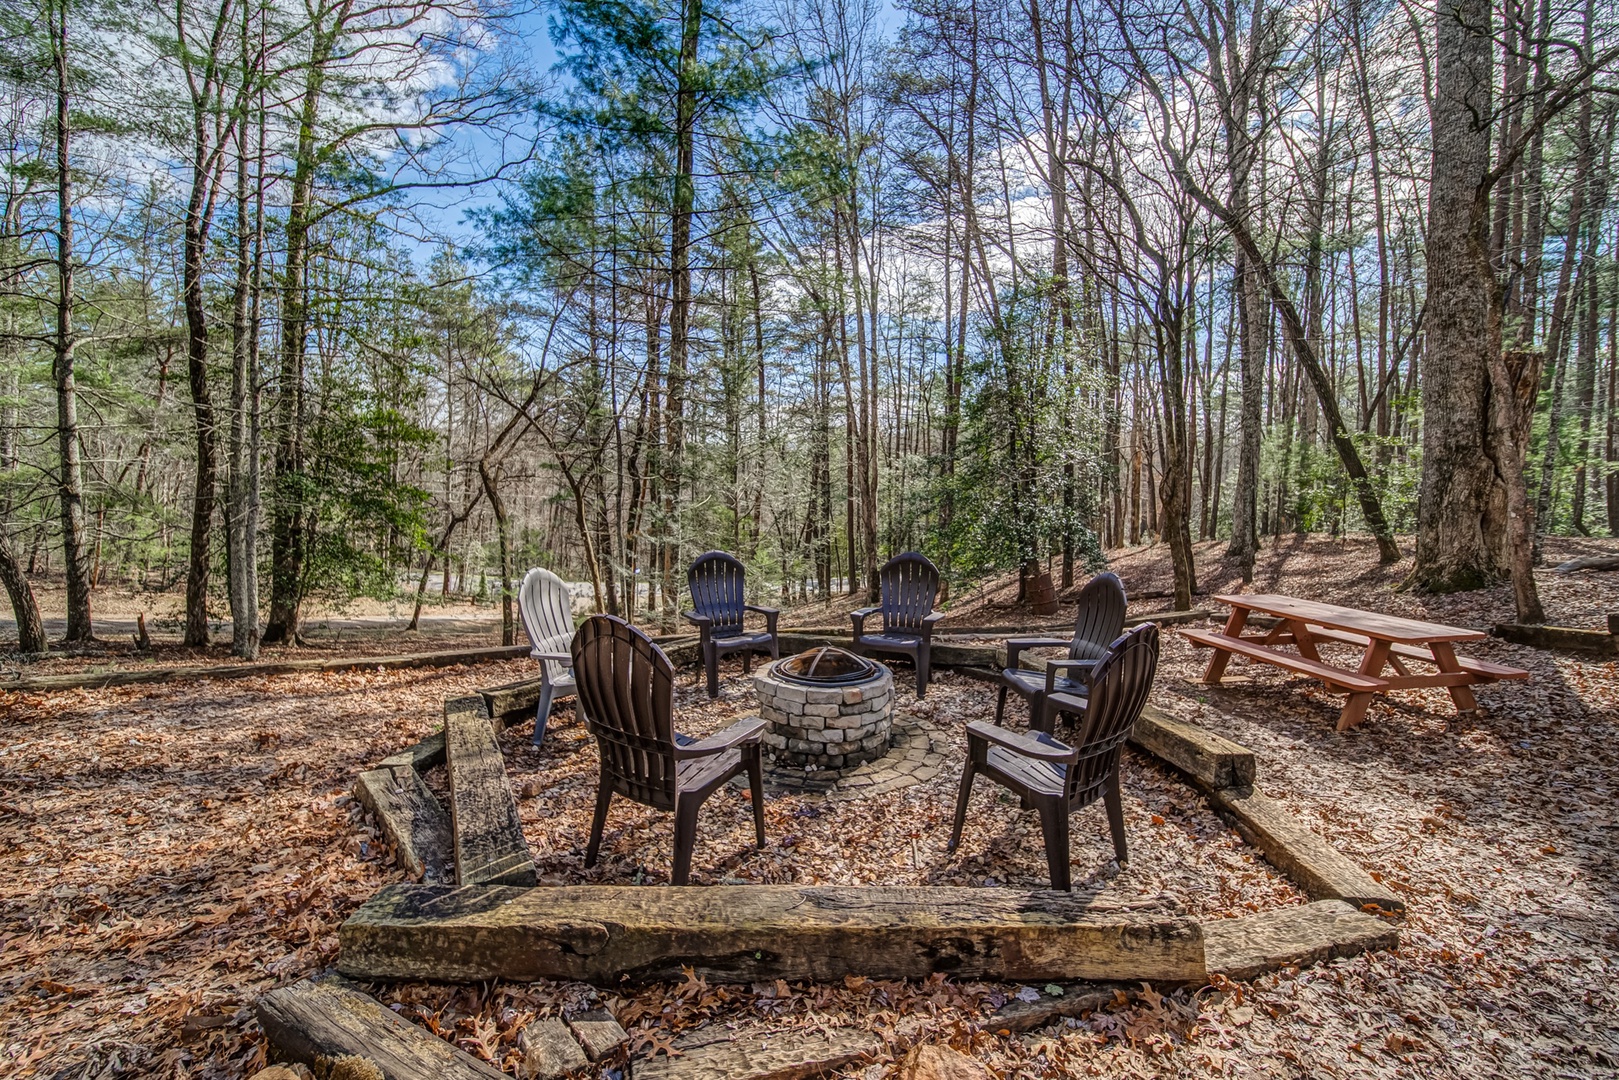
(547, 613)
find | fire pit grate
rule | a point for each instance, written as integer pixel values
(826, 666)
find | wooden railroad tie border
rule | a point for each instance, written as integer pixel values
(100, 680)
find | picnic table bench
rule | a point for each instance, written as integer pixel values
(1386, 641)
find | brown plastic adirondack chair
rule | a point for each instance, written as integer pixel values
(1098, 621)
(626, 687)
(909, 584)
(715, 581)
(1058, 778)
(546, 609)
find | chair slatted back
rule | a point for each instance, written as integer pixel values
(626, 689)
(1119, 688)
(910, 584)
(546, 608)
(1100, 618)
(715, 581)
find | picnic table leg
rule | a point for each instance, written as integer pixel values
(1217, 662)
(1371, 663)
(1354, 711)
(1445, 656)
(1303, 641)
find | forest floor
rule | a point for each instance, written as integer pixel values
(168, 852)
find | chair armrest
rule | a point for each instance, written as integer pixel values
(746, 730)
(702, 622)
(559, 657)
(859, 617)
(1019, 743)
(771, 615)
(928, 622)
(1054, 666)
(1016, 645)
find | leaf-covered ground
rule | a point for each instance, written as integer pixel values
(169, 852)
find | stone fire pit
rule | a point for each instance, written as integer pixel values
(826, 708)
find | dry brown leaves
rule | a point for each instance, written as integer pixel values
(166, 853)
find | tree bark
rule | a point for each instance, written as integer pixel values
(70, 477)
(1460, 512)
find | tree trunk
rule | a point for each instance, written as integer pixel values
(1460, 513)
(491, 488)
(30, 629)
(70, 477)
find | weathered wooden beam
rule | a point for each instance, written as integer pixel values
(1209, 758)
(1320, 869)
(749, 932)
(97, 680)
(427, 754)
(1568, 638)
(489, 844)
(512, 702)
(1293, 936)
(760, 1051)
(314, 1022)
(412, 819)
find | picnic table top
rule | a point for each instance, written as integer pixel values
(1373, 624)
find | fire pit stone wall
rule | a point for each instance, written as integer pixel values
(829, 727)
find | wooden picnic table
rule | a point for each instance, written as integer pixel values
(1385, 641)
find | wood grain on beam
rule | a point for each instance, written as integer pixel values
(316, 1021)
(751, 932)
(489, 844)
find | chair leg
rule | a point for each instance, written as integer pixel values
(1114, 802)
(747, 661)
(685, 839)
(968, 771)
(924, 662)
(711, 661)
(1054, 826)
(604, 795)
(1000, 706)
(542, 715)
(756, 790)
(775, 648)
(1042, 717)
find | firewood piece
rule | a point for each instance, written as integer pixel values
(489, 844)
(316, 1021)
(412, 819)
(550, 1050)
(1076, 999)
(759, 1051)
(1325, 930)
(1320, 869)
(599, 1032)
(599, 933)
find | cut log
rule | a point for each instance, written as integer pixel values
(489, 844)
(1320, 869)
(99, 680)
(1210, 759)
(599, 1032)
(1295, 936)
(745, 933)
(1568, 638)
(1588, 562)
(760, 1051)
(550, 1051)
(314, 1022)
(1075, 1000)
(412, 820)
